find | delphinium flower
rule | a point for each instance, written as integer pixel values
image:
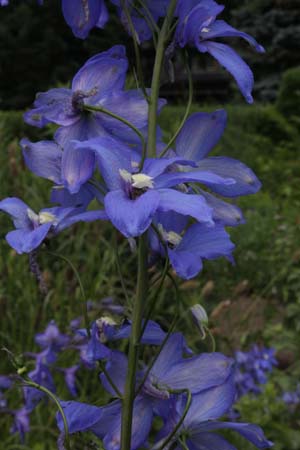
(99, 83)
(198, 27)
(32, 229)
(134, 197)
(253, 368)
(292, 398)
(208, 377)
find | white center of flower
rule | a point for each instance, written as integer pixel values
(32, 215)
(174, 238)
(46, 217)
(141, 181)
(170, 236)
(205, 30)
(125, 175)
(138, 180)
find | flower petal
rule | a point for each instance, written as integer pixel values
(246, 181)
(251, 432)
(200, 133)
(198, 373)
(53, 106)
(210, 404)
(225, 213)
(220, 28)
(112, 155)
(195, 176)
(81, 15)
(102, 74)
(24, 241)
(131, 217)
(77, 167)
(185, 204)
(18, 210)
(209, 441)
(232, 62)
(43, 159)
(206, 242)
(186, 264)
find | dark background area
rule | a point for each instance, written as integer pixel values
(39, 51)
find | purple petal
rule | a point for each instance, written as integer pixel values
(81, 15)
(198, 373)
(88, 216)
(232, 62)
(219, 28)
(116, 367)
(209, 441)
(53, 106)
(185, 204)
(155, 167)
(131, 217)
(225, 213)
(246, 181)
(80, 416)
(170, 354)
(141, 425)
(130, 105)
(211, 404)
(24, 241)
(87, 127)
(251, 432)
(201, 132)
(18, 210)
(112, 155)
(206, 242)
(43, 159)
(77, 167)
(101, 75)
(186, 264)
(104, 16)
(195, 176)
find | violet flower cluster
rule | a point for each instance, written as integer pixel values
(108, 161)
(136, 194)
(163, 388)
(253, 368)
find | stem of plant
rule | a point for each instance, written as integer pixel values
(128, 399)
(155, 85)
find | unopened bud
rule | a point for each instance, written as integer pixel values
(200, 318)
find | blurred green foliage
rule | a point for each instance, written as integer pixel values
(288, 101)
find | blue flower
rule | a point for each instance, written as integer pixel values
(134, 197)
(100, 82)
(199, 27)
(32, 229)
(186, 248)
(197, 430)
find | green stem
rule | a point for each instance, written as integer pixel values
(172, 326)
(138, 59)
(53, 397)
(128, 400)
(180, 422)
(154, 298)
(119, 268)
(187, 111)
(76, 273)
(110, 380)
(119, 118)
(155, 84)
